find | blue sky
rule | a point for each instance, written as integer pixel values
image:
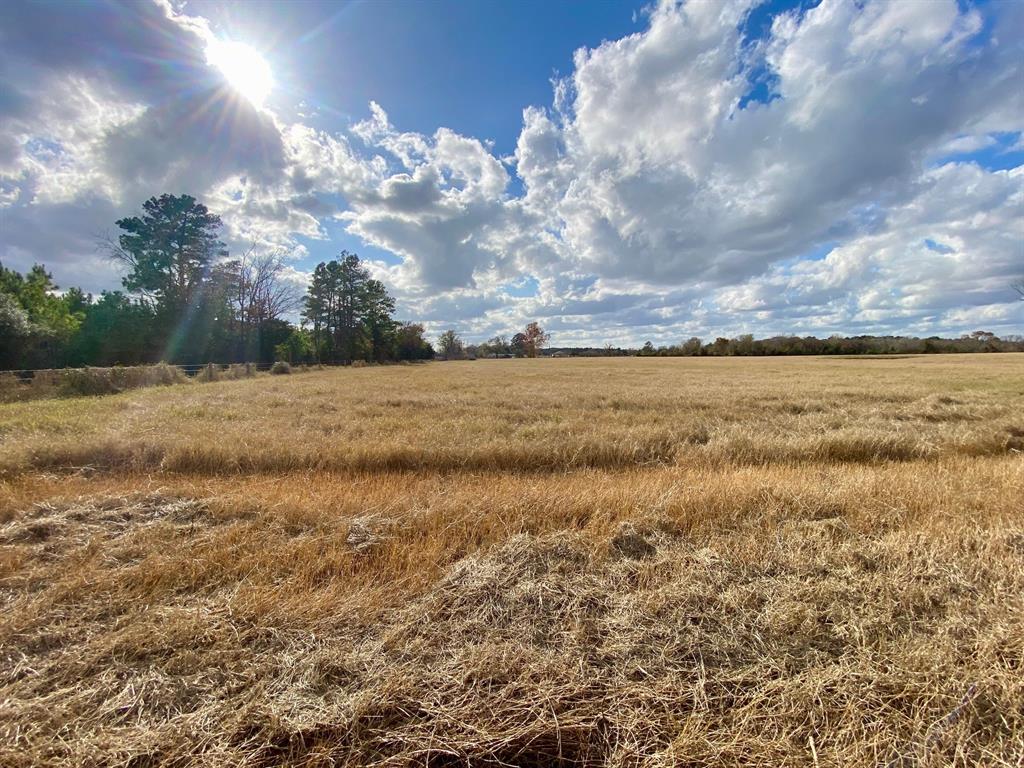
(619, 171)
(471, 67)
(468, 66)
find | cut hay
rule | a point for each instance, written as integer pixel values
(652, 649)
(612, 563)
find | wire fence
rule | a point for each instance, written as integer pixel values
(36, 383)
(189, 369)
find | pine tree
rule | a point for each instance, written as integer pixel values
(350, 313)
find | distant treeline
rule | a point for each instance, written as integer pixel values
(186, 300)
(747, 345)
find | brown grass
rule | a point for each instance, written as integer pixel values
(600, 562)
(78, 382)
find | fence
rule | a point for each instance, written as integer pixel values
(189, 370)
(28, 384)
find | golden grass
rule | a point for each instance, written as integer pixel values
(598, 562)
(71, 382)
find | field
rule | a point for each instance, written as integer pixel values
(621, 562)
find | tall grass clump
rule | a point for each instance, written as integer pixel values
(74, 382)
(240, 371)
(209, 373)
(94, 381)
(233, 372)
(13, 386)
(280, 368)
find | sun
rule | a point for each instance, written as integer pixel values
(245, 70)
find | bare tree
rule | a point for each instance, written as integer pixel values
(261, 291)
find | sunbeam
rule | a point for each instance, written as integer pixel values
(243, 67)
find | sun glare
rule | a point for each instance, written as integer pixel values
(244, 69)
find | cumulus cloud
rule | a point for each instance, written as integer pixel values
(659, 189)
(103, 120)
(694, 177)
(944, 257)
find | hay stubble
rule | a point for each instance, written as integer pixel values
(622, 562)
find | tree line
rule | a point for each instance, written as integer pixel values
(527, 343)
(532, 342)
(186, 300)
(747, 345)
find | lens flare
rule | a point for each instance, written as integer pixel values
(243, 68)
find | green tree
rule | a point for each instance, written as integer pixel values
(721, 346)
(297, 348)
(115, 331)
(495, 347)
(272, 334)
(743, 345)
(379, 327)
(169, 250)
(316, 309)
(691, 346)
(411, 343)
(519, 345)
(350, 279)
(52, 319)
(171, 253)
(349, 312)
(16, 332)
(450, 346)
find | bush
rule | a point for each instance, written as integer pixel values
(160, 374)
(87, 381)
(280, 367)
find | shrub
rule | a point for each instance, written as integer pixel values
(78, 382)
(280, 367)
(359, 363)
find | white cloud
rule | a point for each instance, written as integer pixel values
(660, 198)
(59, 153)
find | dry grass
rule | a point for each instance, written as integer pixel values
(78, 382)
(600, 562)
(93, 381)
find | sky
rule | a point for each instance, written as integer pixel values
(618, 171)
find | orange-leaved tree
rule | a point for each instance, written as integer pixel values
(535, 339)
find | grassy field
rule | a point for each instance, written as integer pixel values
(615, 562)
